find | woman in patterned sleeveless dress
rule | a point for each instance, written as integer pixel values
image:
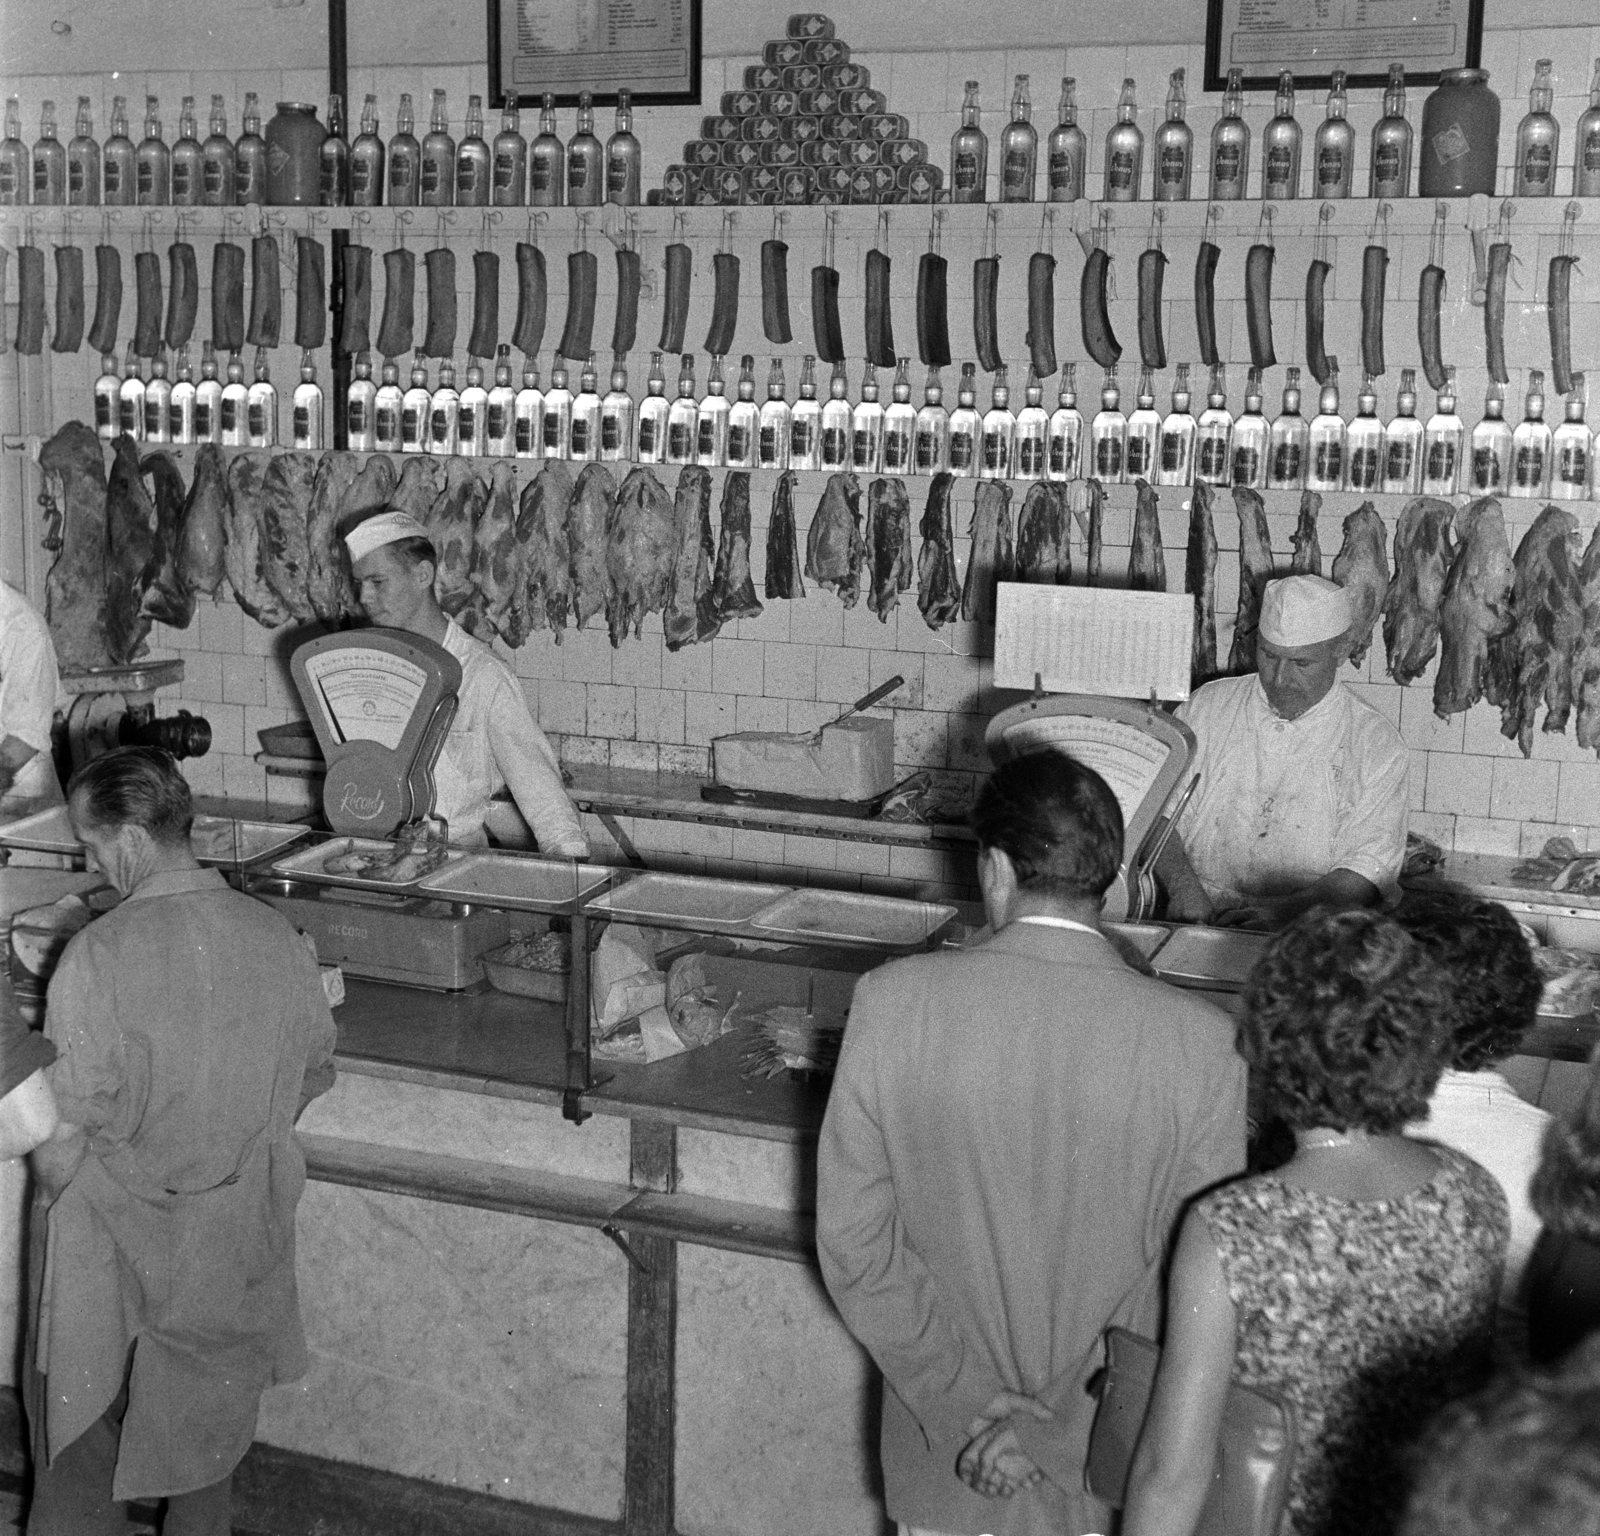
(1359, 1279)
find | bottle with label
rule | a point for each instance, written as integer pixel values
(188, 160)
(473, 161)
(1064, 433)
(1280, 145)
(233, 406)
(711, 421)
(1174, 148)
(743, 418)
(83, 160)
(306, 406)
(805, 421)
(250, 156)
(999, 431)
(107, 399)
(1390, 174)
(180, 404)
(969, 153)
(1570, 448)
(1176, 463)
(528, 412)
(1363, 441)
(360, 408)
(1214, 434)
(1290, 437)
(1033, 428)
(930, 441)
(158, 403)
(1124, 150)
(836, 422)
(116, 168)
(261, 407)
(500, 410)
(1402, 442)
(1019, 148)
(966, 426)
(866, 426)
(773, 425)
(1230, 144)
(1250, 433)
(436, 165)
(547, 161)
(1108, 434)
(217, 160)
(1533, 170)
(388, 404)
(556, 431)
(405, 158)
(624, 158)
(1067, 149)
(510, 155)
(583, 442)
(130, 398)
(364, 176)
(1491, 445)
(616, 414)
(1325, 467)
(414, 407)
(899, 424)
(1531, 443)
(586, 160)
(1144, 432)
(444, 413)
(472, 415)
(333, 159)
(152, 161)
(1335, 147)
(49, 161)
(15, 170)
(683, 416)
(1586, 162)
(208, 399)
(1441, 443)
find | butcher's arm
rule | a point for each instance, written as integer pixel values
(27, 1115)
(532, 773)
(1187, 900)
(58, 1158)
(1339, 888)
(27, 700)
(15, 755)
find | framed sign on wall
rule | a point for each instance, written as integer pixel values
(648, 47)
(1312, 38)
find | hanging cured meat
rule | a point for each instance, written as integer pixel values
(246, 549)
(938, 584)
(452, 525)
(1044, 547)
(733, 590)
(1362, 568)
(993, 550)
(888, 541)
(1307, 557)
(1535, 659)
(1423, 551)
(329, 585)
(588, 526)
(285, 508)
(1200, 581)
(834, 546)
(498, 570)
(163, 594)
(130, 548)
(542, 521)
(202, 543)
(1147, 562)
(691, 616)
(1095, 494)
(421, 485)
(1586, 654)
(783, 543)
(1255, 571)
(1476, 608)
(640, 552)
(74, 469)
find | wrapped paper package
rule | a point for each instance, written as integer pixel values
(850, 760)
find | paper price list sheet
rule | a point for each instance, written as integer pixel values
(1314, 37)
(602, 46)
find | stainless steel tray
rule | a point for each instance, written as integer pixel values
(713, 905)
(218, 840)
(848, 918)
(1223, 957)
(307, 865)
(532, 885)
(1145, 938)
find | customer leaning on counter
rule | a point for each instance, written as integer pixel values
(493, 743)
(1302, 797)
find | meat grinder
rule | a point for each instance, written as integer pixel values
(116, 707)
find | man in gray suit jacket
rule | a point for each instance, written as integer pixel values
(1013, 1132)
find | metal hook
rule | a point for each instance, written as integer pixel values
(1208, 227)
(728, 217)
(991, 231)
(583, 230)
(883, 226)
(678, 222)
(1264, 225)
(491, 217)
(1441, 211)
(402, 217)
(1380, 217)
(779, 219)
(829, 220)
(1507, 210)
(1569, 229)
(1320, 239)
(360, 216)
(1158, 216)
(935, 229)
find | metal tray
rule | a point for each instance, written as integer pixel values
(878, 921)
(532, 885)
(49, 831)
(1145, 938)
(307, 865)
(1222, 957)
(714, 905)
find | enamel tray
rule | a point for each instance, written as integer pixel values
(714, 905)
(849, 918)
(1220, 957)
(214, 839)
(307, 865)
(533, 885)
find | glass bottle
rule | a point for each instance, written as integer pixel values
(866, 426)
(624, 158)
(361, 408)
(158, 403)
(1402, 441)
(1390, 175)
(616, 415)
(1144, 432)
(233, 406)
(1230, 144)
(405, 159)
(1586, 161)
(473, 161)
(899, 423)
(1250, 433)
(805, 421)
(1214, 433)
(188, 160)
(1491, 445)
(1570, 447)
(472, 414)
(1019, 148)
(436, 166)
(116, 167)
(510, 155)
(444, 412)
(152, 161)
(966, 428)
(388, 406)
(414, 407)
(836, 422)
(1108, 433)
(261, 407)
(305, 406)
(547, 161)
(772, 427)
(15, 170)
(711, 421)
(1441, 443)
(107, 399)
(529, 413)
(250, 156)
(180, 404)
(743, 417)
(683, 416)
(969, 153)
(557, 428)
(1124, 151)
(333, 159)
(130, 398)
(500, 410)
(1533, 172)
(1286, 447)
(217, 160)
(1335, 147)
(1363, 441)
(931, 435)
(586, 160)
(49, 160)
(83, 160)
(999, 431)
(583, 435)
(1530, 443)
(367, 160)
(1280, 145)
(653, 411)
(1064, 435)
(1178, 431)
(1033, 426)
(1067, 149)
(1325, 463)
(208, 400)
(1174, 148)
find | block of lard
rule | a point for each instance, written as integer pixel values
(852, 760)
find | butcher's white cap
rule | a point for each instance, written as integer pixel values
(1304, 610)
(380, 529)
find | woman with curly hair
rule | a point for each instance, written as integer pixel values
(1359, 1279)
(1563, 1279)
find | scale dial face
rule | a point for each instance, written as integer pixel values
(366, 694)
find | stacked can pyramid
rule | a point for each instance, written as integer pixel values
(807, 128)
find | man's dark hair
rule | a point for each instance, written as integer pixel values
(1057, 822)
(1492, 985)
(1565, 1189)
(415, 550)
(137, 786)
